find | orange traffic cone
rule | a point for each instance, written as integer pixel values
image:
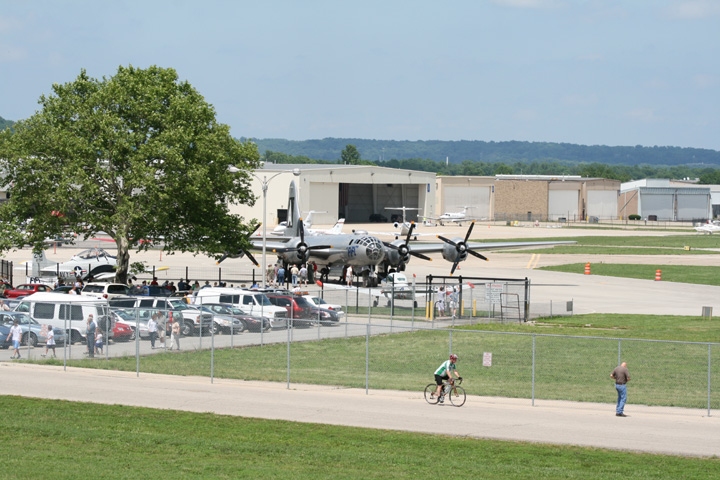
(587, 268)
(658, 275)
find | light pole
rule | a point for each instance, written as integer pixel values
(264, 181)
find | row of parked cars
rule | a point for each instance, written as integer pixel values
(210, 310)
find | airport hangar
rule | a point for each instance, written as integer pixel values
(665, 200)
(361, 192)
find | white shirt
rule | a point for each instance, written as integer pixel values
(16, 332)
(50, 337)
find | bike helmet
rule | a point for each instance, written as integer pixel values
(453, 357)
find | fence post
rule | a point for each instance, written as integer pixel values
(288, 357)
(450, 343)
(619, 351)
(212, 347)
(709, 365)
(367, 359)
(533, 371)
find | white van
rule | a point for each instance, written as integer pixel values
(66, 312)
(250, 302)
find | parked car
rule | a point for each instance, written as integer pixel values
(249, 322)
(299, 310)
(65, 312)
(122, 332)
(325, 316)
(191, 319)
(31, 329)
(149, 291)
(105, 290)
(250, 301)
(26, 289)
(62, 289)
(321, 303)
(224, 323)
(127, 316)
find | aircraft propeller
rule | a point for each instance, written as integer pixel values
(243, 251)
(404, 249)
(461, 248)
(302, 248)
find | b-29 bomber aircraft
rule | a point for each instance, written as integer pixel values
(367, 254)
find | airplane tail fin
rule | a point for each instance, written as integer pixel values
(40, 262)
(292, 228)
(337, 228)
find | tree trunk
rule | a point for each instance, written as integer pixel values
(123, 259)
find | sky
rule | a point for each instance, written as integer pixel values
(591, 72)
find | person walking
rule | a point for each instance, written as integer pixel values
(349, 275)
(294, 271)
(280, 276)
(90, 336)
(270, 276)
(16, 334)
(304, 275)
(49, 342)
(175, 336)
(621, 375)
(153, 329)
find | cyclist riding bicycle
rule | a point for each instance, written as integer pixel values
(444, 372)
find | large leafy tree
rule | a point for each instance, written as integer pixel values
(350, 155)
(139, 156)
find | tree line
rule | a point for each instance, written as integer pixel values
(707, 175)
(458, 152)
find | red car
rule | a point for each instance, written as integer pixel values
(122, 332)
(26, 289)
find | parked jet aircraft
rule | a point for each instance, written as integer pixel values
(710, 227)
(308, 221)
(364, 252)
(452, 217)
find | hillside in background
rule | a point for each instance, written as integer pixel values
(456, 152)
(5, 124)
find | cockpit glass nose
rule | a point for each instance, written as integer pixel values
(373, 248)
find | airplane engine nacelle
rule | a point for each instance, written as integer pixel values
(392, 258)
(396, 225)
(451, 254)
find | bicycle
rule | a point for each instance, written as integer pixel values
(450, 389)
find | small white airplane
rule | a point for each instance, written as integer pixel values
(452, 217)
(307, 223)
(710, 227)
(93, 261)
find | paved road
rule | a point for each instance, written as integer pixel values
(647, 429)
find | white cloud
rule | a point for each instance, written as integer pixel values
(694, 9)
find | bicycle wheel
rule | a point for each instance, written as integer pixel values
(457, 396)
(430, 396)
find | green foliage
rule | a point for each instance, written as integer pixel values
(78, 440)
(350, 155)
(512, 152)
(138, 155)
(5, 124)
(634, 216)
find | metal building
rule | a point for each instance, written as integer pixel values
(358, 193)
(659, 199)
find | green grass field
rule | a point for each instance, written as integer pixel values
(65, 440)
(698, 274)
(667, 241)
(576, 369)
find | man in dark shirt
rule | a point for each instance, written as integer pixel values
(621, 376)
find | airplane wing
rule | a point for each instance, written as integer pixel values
(438, 247)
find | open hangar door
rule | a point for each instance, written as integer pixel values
(363, 202)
